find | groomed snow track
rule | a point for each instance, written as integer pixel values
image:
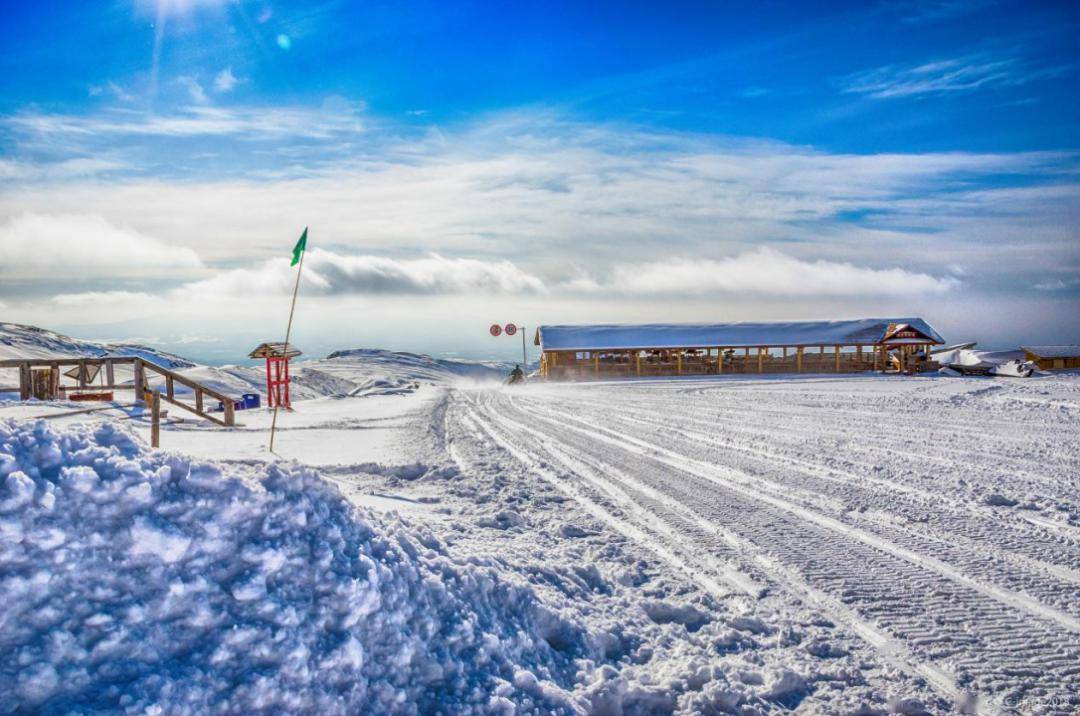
(865, 499)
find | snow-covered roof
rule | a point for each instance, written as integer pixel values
(863, 331)
(1053, 351)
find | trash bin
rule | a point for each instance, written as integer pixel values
(251, 400)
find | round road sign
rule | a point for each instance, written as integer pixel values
(510, 329)
(496, 330)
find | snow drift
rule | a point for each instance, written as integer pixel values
(145, 582)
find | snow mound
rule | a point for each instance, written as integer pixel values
(143, 582)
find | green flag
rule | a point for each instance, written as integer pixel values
(299, 248)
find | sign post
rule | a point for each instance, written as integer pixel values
(511, 329)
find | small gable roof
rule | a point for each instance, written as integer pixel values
(864, 331)
(274, 350)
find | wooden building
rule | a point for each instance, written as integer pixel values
(1053, 357)
(610, 351)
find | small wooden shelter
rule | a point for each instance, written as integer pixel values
(606, 351)
(1053, 357)
(277, 357)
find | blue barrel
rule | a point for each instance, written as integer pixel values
(251, 400)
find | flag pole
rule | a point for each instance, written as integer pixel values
(288, 332)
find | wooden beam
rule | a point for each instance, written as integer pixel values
(678, 359)
(719, 361)
(637, 357)
(760, 359)
(110, 376)
(798, 359)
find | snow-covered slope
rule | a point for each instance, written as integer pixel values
(20, 341)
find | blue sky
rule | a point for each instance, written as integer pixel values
(461, 163)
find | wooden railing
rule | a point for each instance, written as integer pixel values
(141, 368)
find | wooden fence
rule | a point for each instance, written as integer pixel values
(141, 369)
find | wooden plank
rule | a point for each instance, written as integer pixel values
(199, 401)
(637, 356)
(110, 376)
(205, 416)
(678, 359)
(760, 360)
(798, 359)
(155, 420)
(230, 414)
(169, 390)
(720, 361)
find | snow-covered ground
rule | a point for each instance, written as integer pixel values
(854, 544)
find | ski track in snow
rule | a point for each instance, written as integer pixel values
(841, 495)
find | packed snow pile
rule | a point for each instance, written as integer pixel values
(144, 582)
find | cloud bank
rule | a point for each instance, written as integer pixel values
(80, 245)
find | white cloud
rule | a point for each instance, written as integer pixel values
(225, 81)
(195, 89)
(83, 245)
(197, 121)
(769, 272)
(1058, 284)
(97, 298)
(327, 272)
(959, 74)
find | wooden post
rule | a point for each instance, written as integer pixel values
(155, 420)
(719, 361)
(198, 400)
(760, 359)
(858, 356)
(169, 387)
(110, 373)
(230, 413)
(637, 358)
(678, 359)
(785, 353)
(798, 359)
(837, 349)
(596, 364)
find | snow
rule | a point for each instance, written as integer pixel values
(169, 584)
(689, 335)
(424, 539)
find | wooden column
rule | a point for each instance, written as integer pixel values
(110, 373)
(798, 359)
(678, 362)
(837, 349)
(760, 359)
(719, 361)
(858, 357)
(596, 364)
(230, 413)
(637, 359)
(155, 420)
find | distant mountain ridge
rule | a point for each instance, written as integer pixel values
(22, 341)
